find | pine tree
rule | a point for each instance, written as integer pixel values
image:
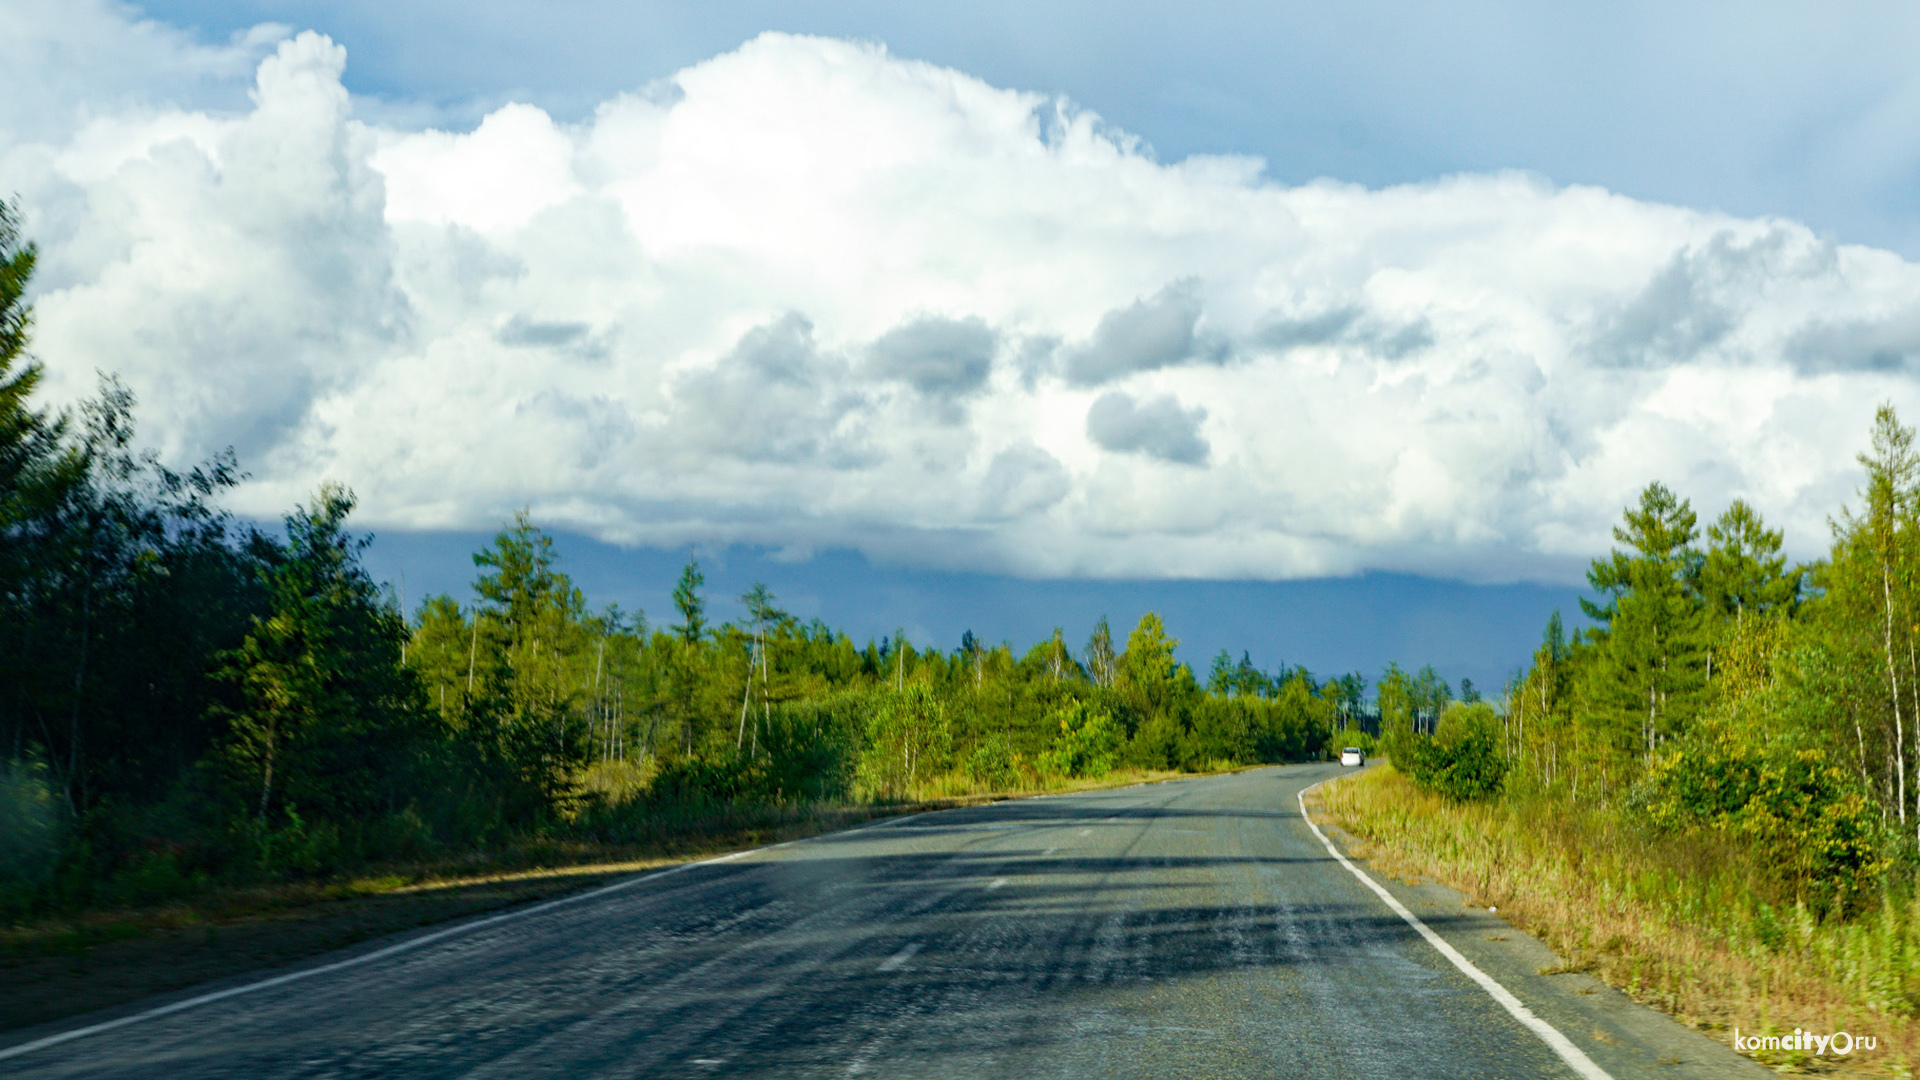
(1744, 572)
(1220, 680)
(686, 597)
(1650, 668)
(329, 720)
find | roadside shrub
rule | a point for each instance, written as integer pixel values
(1813, 826)
(1462, 760)
(811, 750)
(292, 845)
(1088, 744)
(703, 781)
(31, 829)
(993, 764)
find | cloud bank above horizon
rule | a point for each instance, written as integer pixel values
(810, 295)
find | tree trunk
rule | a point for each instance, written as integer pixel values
(266, 775)
(1893, 693)
(77, 797)
(473, 652)
(746, 695)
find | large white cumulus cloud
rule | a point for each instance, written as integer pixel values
(810, 295)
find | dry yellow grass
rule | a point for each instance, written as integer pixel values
(1687, 928)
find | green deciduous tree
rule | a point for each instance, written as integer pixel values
(908, 737)
(1099, 654)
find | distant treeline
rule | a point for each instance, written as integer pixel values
(185, 699)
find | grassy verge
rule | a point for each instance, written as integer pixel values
(72, 964)
(1684, 927)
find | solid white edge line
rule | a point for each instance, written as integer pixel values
(1560, 1044)
(424, 939)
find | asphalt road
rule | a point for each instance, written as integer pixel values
(1188, 929)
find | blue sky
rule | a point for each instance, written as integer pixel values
(1751, 108)
(1339, 334)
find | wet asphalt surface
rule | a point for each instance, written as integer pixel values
(1189, 929)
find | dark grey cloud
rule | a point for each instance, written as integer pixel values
(1700, 297)
(526, 332)
(1672, 318)
(773, 398)
(1021, 480)
(1348, 325)
(1321, 329)
(1886, 345)
(1035, 357)
(1151, 333)
(1159, 428)
(939, 357)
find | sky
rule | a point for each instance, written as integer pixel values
(1287, 316)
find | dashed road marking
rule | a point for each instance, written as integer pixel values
(899, 960)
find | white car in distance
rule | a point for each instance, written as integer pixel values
(1352, 756)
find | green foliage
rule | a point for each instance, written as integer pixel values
(692, 607)
(1812, 827)
(326, 718)
(1099, 654)
(1743, 573)
(1088, 745)
(1726, 695)
(1352, 737)
(31, 827)
(1148, 672)
(1291, 723)
(908, 739)
(993, 763)
(1649, 670)
(812, 749)
(1395, 701)
(1463, 759)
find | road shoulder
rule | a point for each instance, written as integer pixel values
(1622, 1036)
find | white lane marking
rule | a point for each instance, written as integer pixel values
(1048, 852)
(1560, 1044)
(997, 882)
(899, 960)
(1086, 832)
(414, 943)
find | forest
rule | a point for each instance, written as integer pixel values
(1710, 795)
(1722, 691)
(188, 700)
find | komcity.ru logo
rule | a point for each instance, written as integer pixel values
(1837, 1043)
